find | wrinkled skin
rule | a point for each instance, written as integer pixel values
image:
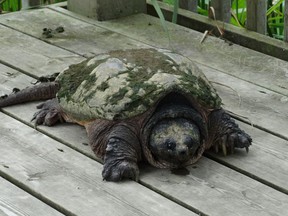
(139, 104)
(175, 140)
(172, 140)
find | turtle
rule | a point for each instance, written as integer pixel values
(150, 105)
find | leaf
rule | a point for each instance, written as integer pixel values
(161, 16)
(175, 11)
(274, 7)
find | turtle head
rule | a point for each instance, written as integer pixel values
(175, 140)
(175, 134)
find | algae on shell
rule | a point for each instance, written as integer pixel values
(125, 83)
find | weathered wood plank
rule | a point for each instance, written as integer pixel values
(218, 190)
(222, 9)
(241, 36)
(26, 4)
(267, 160)
(279, 101)
(7, 78)
(254, 111)
(20, 50)
(257, 163)
(76, 137)
(266, 148)
(271, 204)
(100, 42)
(16, 202)
(258, 106)
(107, 9)
(87, 41)
(190, 5)
(70, 180)
(256, 16)
(260, 69)
(238, 61)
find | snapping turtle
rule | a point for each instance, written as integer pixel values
(142, 104)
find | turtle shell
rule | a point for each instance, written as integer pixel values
(125, 83)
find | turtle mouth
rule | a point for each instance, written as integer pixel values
(175, 133)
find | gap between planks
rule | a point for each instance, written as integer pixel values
(13, 201)
(156, 176)
(79, 53)
(150, 39)
(68, 170)
(33, 193)
(26, 107)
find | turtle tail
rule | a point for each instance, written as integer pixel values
(43, 91)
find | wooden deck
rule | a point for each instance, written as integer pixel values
(52, 171)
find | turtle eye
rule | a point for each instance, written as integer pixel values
(189, 142)
(170, 145)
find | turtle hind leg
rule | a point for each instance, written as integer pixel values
(224, 133)
(49, 113)
(122, 154)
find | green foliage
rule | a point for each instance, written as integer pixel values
(239, 13)
(161, 16)
(275, 19)
(275, 14)
(11, 5)
(169, 1)
(203, 6)
(175, 12)
(15, 5)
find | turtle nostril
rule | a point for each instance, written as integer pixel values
(183, 152)
(170, 145)
(189, 142)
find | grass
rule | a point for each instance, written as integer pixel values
(7, 5)
(275, 14)
(15, 5)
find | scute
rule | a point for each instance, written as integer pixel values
(125, 83)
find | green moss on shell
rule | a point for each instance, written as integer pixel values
(144, 76)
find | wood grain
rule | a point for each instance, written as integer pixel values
(216, 58)
(43, 164)
(256, 16)
(265, 148)
(71, 180)
(190, 5)
(16, 202)
(252, 66)
(107, 9)
(79, 37)
(36, 57)
(222, 9)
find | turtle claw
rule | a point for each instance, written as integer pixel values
(118, 162)
(121, 170)
(216, 148)
(49, 114)
(247, 149)
(226, 133)
(224, 148)
(237, 140)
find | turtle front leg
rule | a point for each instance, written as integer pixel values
(49, 113)
(122, 154)
(225, 133)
